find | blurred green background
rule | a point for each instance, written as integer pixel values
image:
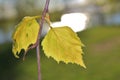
(101, 38)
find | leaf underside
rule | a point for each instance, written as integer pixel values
(62, 44)
(25, 34)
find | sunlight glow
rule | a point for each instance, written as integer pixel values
(81, 1)
(77, 21)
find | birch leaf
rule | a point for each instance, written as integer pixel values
(62, 44)
(25, 34)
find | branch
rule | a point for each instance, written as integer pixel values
(43, 18)
(39, 34)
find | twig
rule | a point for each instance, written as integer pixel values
(39, 34)
(38, 62)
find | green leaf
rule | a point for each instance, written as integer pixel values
(62, 44)
(25, 34)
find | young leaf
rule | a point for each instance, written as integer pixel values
(62, 44)
(25, 34)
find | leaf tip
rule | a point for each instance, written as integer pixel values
(84, 66)
(16, 56)
(15, 52)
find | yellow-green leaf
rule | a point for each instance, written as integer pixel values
(62, 44)
(25, 34)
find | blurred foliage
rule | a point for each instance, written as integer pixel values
(55, 16)
(27, 7)
(7, 62)
(107, 6)
(115, 1)
(101, 58)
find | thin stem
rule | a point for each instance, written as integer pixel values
(43, 17)
(39, 34)
(38, 62)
